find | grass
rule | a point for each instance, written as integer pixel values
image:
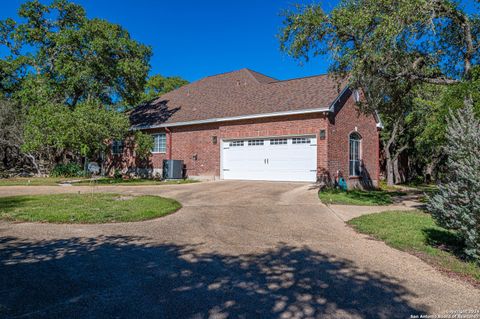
(357, 197)
(413, 186)
(85, 208)
(134, 181)
(52, 181)
(416, 232)
(35, 181)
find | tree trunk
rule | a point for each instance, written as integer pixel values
(390, 168)
(35, 164)
(397, 176)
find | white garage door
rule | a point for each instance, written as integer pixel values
(272, 159)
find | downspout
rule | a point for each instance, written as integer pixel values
(378, 158)
(169, 153)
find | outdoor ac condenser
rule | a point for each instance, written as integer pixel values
(172, 169)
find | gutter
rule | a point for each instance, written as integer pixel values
(169, 155)
(330, 109)
(232, 118)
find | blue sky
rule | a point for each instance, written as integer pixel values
(194, 39)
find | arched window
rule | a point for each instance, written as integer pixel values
(355, 154)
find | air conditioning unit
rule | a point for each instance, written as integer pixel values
(172, 169)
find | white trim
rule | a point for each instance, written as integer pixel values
(221, 158)
(269, 137)
(233, 118)
(332, 106)
(166, 146)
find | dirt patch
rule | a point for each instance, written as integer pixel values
(125, 198)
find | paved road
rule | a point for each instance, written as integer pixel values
(236, 249)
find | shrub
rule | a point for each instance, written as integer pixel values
(117, 174)
(456, 206)
(67, 170)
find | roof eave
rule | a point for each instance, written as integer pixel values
(233, 118)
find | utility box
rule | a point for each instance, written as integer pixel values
(172, 169)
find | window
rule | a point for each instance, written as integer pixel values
(159, 143)
(300, 140)
(235, 143)
(354, 167)
(117, 147)
(255, 142)
(278, 141)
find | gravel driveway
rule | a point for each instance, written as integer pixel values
(236, 249)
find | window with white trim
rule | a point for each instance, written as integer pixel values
(355, 152)
(278, 141)
(255, 142)
(117, 147)
(159, 143)
(235, 143)
(300, 140)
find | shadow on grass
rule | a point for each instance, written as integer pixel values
(379, 197)
(128, 277)
(445, 240)
(365, 197)
(9, 203)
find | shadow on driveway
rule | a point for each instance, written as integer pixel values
(126, 277)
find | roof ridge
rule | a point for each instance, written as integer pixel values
(222, 73)
(305, 77)
(253, 72)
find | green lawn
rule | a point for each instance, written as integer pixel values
(136, 181)
(85, 208)
(416, 232)
(133, 181)
(52, 181)
(357, 197)
(35, 181)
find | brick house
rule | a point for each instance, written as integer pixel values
(245, 125)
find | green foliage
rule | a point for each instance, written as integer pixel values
(117, 174)
(77, 58)
(393, 50)
(84, 129)
(158, 85)
(143, 145)
(410, 40)
(71, 75)
(428, 120)
(456, 206)
(67, 170)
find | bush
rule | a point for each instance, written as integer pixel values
(117, 174)
(456, 206)
(67, 170)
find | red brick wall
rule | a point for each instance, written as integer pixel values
(310, 124)
(196, 140)
(188, 141)
(348, 120)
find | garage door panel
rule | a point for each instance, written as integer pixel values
(274, 160)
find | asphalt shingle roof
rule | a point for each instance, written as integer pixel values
(238, 93)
